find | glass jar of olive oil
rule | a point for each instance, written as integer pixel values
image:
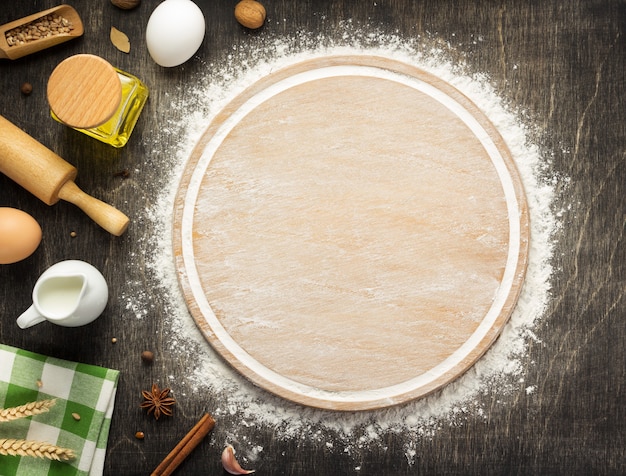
(87, 93)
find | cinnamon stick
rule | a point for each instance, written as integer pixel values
(185, 446)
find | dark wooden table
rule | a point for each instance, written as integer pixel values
(562, 64)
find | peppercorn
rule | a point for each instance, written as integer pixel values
(147, 357)
(26, 89)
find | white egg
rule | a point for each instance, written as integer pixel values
(175, 31)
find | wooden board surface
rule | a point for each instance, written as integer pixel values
(351, 233)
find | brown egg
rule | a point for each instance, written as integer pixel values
(20, 235)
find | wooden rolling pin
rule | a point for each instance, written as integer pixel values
(50, 178)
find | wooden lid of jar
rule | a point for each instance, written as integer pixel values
(84, 91)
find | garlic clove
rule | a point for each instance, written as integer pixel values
(230, 463)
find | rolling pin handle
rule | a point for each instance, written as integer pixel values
(108, 217)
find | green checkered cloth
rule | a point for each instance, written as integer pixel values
(78, 388)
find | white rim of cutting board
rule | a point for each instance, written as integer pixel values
(462, 107)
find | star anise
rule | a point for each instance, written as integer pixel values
(157, 401)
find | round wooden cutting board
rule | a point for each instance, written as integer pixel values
(351, 233)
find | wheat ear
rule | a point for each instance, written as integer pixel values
(38, 449)
(29, 409)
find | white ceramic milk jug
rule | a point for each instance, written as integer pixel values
(69, 293)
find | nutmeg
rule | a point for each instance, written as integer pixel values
(250, 14)
(126, 4)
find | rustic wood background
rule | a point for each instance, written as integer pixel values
(562, 64)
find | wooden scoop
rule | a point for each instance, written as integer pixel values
(50, 178)
(68, 13)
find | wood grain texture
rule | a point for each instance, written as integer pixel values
(560, 64)
(357, 262)
(84, 91)
(50, 178)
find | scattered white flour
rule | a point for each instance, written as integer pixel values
(499, 372)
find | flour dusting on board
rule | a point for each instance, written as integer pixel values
(500, 372)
